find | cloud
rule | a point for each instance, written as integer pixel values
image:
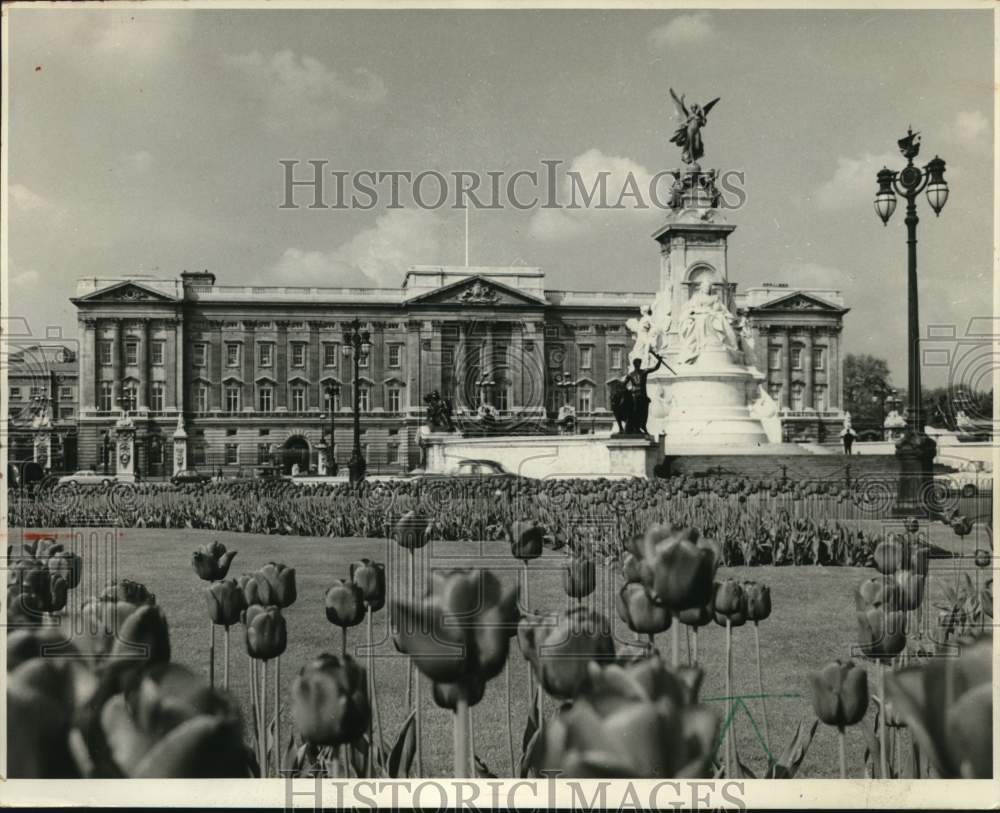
(626, 184)
(25, 279)
(138, 36)
(26, 200)
(683, 30)
(301, 93)
(853, 182)
(971, 126)
(812, 275)
(377, 256)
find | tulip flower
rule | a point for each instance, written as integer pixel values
(67, 565)
(447, 695)
(730, 603)
(369, 576)
(39, 721)
(677, 573)
(911, 589)
(345, 607)
(891, 555)
(757, 600)
(211, 562)
(631, 568)
(560, 650)
(962, 526)
(461, 627)
(525, 538)
(143, 634)
(840, 698)
(879, 592)
(266, 632)
(330, 700)
(37, 591)
(635, 721)
(640, 612)
(126, 590)
(412, 531)
(947, 703)
(172, 725)
(881, 632)
(579, 575)
(280, 580)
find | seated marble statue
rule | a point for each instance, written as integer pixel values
(705, 323)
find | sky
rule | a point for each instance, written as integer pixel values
(148, 141)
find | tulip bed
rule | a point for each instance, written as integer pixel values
(557, 671)
(766, 521)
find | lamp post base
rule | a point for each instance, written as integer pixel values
(356, 467)
(915, 452)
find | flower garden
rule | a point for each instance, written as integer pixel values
(588, 628)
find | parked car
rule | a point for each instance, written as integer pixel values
(267, 473)
(971, 478)
(86, 477)
(471, 470)
(189, 476)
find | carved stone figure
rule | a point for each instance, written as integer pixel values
(479, 294)
(642, 327)
(764, 406)
(688, 135)
(706, 322)
(439, 412)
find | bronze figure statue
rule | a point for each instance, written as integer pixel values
(635, 383)
(688, 135)
(439, 412)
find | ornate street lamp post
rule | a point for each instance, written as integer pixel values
(356, 342)
(914, 449)
(332, 393)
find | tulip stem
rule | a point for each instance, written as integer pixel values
(652, 643)
(675, 644)
(461, 744)
(883, 762)
(263, 716)
(915, 755)
(760, 688)
(510, 722)
(843, 752)
(541, 705)
(418, 727)
(729, 697)
(253, 706)
(374, 721)
(343, 642)
(211, 654)
(225, 666)
(277, 715)
(694, 646)
(687, 641)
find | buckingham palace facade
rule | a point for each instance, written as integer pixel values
(249, 372)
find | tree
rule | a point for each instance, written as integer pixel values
(866, 383)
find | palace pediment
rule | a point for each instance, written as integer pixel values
(476, 291)
(124, 292)
(799, 301)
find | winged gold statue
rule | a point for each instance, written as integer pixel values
(688, 135)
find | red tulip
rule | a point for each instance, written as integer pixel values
(369, 576)
(225, 601)
(840, 693)
(580, 575)
(267, 634)
(730, 603)
(560, 649)
(891, 555)
(330, 700)
(211, 562)
(68, 566)
(447, 695)
(911, 589)
(525, 538)
(345, 604)
(881, 632)
(640, 612)
(758, 601)
(412, 530)
(281, 581)
(631, 568)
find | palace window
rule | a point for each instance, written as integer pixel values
(299, 354)
(156, 396)
(393, 399)
(105, 353)
(363, 358)
(65, 393)
(395, 353)
(105, 397)
(502, 397)
(820, 399)
(585, 399)
(156, 353)
(265, 354)
(331, 404)
(201, 398)
(774, 390)
(263, 453)
(364, 397)
(797, 393)
(617, 357)
(232, 453)
(774, 358)
(796, 356)
(447, 358)
(819, 358)
(586, 358)
(392, 453)
(131, 353)
(130, 396)
(198, 454)
(298, 397)
(265, 398)
(330, 352)
(199, 355)
(66, 412)
(15, 393)
(232, 354)
(232, 397)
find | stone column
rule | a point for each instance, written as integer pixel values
(180, 385)
(786, 370)
(376, 365)
(487, 365)
(599, 371)
(117, 349)
(89, 369)
(430, 360)
(144, 371)
(281, 365)
(461, 364)
(249, 355)
(412, 371)
(517, 366)
(834, 374)
(807, 368)
(314, 367)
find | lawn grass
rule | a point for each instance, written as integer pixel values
(812, 623)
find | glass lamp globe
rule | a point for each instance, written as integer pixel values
(885, 205)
